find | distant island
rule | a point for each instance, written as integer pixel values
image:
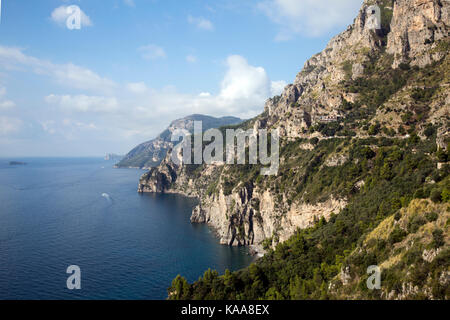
(17, 163)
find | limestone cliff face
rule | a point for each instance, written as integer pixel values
(417, 27)
(246, 216)
(316, 93)
(414, 33)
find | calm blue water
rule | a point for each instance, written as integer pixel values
(130, 246)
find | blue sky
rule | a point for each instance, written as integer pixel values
(135, 65)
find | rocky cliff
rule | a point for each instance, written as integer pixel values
(365, 88)
(413, 33)
(245, 215)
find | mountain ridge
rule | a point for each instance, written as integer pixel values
(150, 153)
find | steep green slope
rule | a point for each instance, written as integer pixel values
(307, 266)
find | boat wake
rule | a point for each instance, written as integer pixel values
(107, 197)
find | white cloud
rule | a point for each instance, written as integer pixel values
(133, 109)
(83, 103)
(70, 129)
(69, 75)
(81, 78)
(48, 126)
(191, 59)
(137, 87)
(243, 92)
(8, 104)
(244, 82)
(152, 52)
(201, 23)
(130, 3)
(77, 124)
(62, 13)
(309, 17)
(277, 87)
(9, 125)
(5, 104)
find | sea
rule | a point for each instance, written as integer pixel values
(82, 212)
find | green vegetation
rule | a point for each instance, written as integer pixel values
(304, 266)
(348, 69)
(397, 174)
(397, 192)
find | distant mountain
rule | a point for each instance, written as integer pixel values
(150, 154)
(113, 156)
